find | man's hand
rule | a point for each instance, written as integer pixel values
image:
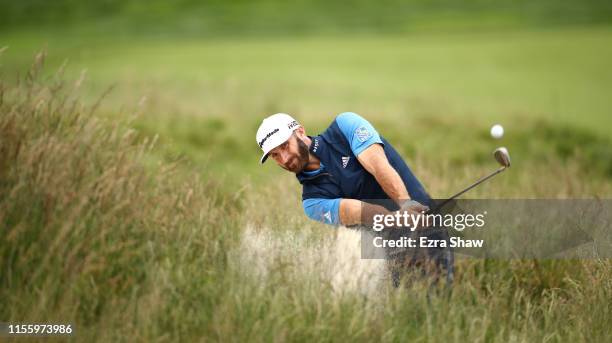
(352, 212)
(416, 210)
(414, 206)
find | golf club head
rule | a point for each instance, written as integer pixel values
(502, 157)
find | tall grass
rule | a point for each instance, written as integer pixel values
(97, 232)
(305, 285)
(91, 233)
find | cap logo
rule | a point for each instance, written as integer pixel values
(261, 143)
(293, 124)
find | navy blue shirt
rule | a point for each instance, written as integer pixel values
(342, 176)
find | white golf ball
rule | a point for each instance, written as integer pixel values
(497, 131)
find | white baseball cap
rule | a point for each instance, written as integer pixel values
(274, 131)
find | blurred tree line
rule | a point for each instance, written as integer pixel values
(269, 16)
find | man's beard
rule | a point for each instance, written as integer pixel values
(303, 155)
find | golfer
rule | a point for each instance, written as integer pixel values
(343, 169)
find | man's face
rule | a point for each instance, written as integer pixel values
(291, 155)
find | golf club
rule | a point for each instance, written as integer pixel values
(501, 156)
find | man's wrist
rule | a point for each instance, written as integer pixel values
(404, 202)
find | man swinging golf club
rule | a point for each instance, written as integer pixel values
(343, 169)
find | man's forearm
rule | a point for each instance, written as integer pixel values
(391, 183)
(356, 212)
(374, 160)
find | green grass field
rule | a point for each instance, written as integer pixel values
(420, 89)
(113, 235)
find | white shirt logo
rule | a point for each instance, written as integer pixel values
(362, 134)
(327, 216)
(345, 160)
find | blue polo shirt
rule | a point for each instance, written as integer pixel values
(342, 176)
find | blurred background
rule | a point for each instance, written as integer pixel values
(101, 230)
(433, 76)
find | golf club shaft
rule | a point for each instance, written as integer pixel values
(481, 180)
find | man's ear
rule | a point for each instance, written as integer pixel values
(300, 131)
